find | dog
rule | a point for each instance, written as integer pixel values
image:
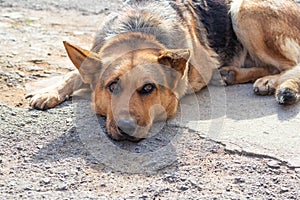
(151, 53)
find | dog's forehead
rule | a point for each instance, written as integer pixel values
(140, 64)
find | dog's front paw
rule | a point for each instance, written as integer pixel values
(228, 75)
(264, 86)
(44, 100)
(286, 96)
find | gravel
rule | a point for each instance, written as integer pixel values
(43, 156)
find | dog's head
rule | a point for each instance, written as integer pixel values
(133, 89)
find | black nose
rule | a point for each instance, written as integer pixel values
(127, 126)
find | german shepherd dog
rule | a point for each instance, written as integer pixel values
(151, 53)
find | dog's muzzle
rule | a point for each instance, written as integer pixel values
(127, 127)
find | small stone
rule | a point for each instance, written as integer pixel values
(61, 187)
(21, 74)
(33, 68)
(228, 188)
(69, 120)
(19, 104)
(27, 189)
(46, 180)
(170, 178)
(239, 180)
(34, 115)
(48, 72)
(143, 197)
(183, 188)
(268, 192)
(131, 197)
(284, 189)
(20, 148)
(13, 113)
(274, 164)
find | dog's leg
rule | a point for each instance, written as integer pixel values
(286, 86)
(52, 96)
(234, 75)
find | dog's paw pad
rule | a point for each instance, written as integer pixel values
(228, 76)
(286, 96)
(44, 101)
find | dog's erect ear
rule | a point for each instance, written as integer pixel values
(88, 63)
(175, 58)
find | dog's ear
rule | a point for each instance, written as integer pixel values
(175, 58)
(88, 63)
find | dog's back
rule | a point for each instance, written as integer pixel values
(157, 18)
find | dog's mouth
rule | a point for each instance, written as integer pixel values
(126, 136)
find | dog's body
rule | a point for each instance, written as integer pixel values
(146, 57)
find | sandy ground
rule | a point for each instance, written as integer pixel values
(52, 155)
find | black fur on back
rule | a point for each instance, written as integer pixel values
(215, 16)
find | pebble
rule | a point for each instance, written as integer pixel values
(33, 68)
(61, 187)
(284, 189)
(183, 188)
(274, 164)
(239, 180)
(170, 178)
(13, 113)
(20, 148)
(27, 189)
(21, 74)
(69, 120)
(46, 180)
(34, 115)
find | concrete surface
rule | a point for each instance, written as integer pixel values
(245, 122)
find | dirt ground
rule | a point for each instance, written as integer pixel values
(44, 154)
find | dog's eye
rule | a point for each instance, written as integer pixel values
(114, 87)
(147, 88)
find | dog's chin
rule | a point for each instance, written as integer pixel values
(129, 137)
(120, 135)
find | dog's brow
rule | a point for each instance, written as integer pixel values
(109, 80)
